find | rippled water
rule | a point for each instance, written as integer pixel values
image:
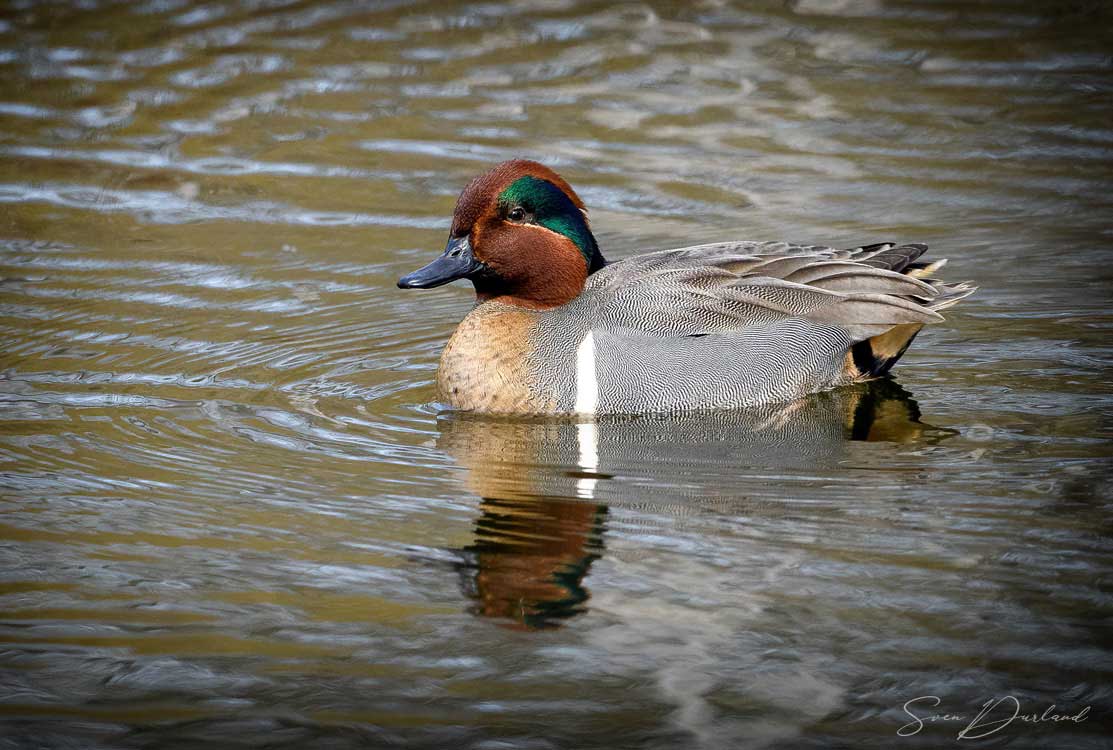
(233, 516)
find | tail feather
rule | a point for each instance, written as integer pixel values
(875, 356)
(950, 293)
(924, 270)
(889, 256)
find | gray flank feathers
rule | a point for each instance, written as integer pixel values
(736, 323)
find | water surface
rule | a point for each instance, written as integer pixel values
(234, 515)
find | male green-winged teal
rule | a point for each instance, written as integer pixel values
(558, 330)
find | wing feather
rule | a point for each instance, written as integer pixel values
(730, 286)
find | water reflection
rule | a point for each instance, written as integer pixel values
(539, 530)
(530, 557)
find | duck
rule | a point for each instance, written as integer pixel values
(557, 330)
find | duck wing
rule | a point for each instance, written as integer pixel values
(735, 324)
(730, 286)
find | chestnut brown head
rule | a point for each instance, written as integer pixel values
(521, 235)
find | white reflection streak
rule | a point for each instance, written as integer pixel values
(587, 437)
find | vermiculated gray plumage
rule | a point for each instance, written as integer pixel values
(737, 324)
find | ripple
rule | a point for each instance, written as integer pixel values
(471, 151)
(227, 68)
(16, 109)
(203, 166)
(163, 207)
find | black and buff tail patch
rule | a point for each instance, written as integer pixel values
(876, 356)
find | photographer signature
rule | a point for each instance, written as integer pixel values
(995, 715)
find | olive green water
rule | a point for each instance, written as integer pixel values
(233, 517)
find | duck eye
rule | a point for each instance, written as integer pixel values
(516, 214)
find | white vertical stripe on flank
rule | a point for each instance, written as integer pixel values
(587, 399)
(587, 387)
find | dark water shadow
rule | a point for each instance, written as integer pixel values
(542, 524)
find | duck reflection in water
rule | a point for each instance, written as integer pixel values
(529, 559)
(541, 525)
(534, 539)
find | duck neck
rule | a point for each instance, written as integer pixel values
(533, 293)
(521, 282)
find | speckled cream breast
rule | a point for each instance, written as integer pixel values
(485, 366)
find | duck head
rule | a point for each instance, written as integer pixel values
(520, 234)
